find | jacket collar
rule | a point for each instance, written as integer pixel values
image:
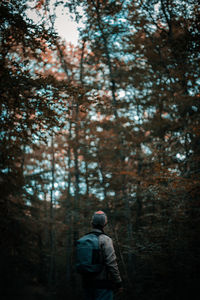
(97, 230)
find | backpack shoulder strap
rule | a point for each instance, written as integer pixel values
(97, 233)
(94, 232)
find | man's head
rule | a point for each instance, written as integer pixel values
(99, 219)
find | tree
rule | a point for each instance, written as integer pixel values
(124, 115)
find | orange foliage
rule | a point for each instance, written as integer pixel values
(39, 4)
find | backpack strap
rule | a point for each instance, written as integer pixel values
(95, 232)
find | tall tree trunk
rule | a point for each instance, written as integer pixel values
(76, 173)
(114, 102)
(68, 209)
(86, 203)
(52, 229)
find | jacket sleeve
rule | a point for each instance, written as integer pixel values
(110, 259)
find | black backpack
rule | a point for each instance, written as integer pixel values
(88, 254)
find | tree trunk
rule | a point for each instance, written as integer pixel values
(52, 229)
(114, 101)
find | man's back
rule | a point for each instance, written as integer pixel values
(100, 286)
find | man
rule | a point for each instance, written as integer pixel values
(100, 286)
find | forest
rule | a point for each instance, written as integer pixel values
(112, 123)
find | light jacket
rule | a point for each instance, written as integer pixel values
(109, 277)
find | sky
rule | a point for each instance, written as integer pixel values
(66, 27)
